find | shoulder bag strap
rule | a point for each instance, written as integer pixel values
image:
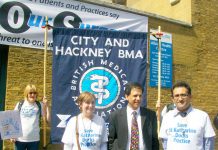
(20, 104)
(77, 134)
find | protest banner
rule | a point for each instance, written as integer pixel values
(21, 21)
(99, 61)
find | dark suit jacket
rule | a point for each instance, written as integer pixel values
(118, 129)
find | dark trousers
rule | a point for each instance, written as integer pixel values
(27, 145)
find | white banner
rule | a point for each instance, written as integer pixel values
(21, 21)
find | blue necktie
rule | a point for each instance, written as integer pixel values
(183, 114)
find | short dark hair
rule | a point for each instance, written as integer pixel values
(132, 85)
(182, 84)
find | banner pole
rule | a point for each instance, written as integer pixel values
(158, 36)
(44, 79)
(159, 81)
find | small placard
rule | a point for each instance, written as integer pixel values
(10, 124)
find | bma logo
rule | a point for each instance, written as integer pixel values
(103, 83)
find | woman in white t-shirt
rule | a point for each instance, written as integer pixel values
(87, 131)
(30, 112)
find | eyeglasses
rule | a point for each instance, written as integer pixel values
(32, 93)
(180, 95)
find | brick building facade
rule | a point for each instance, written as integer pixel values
(195, 59)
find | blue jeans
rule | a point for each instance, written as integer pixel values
(27, 145)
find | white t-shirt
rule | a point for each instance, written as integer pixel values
(29, 115)
(186, 133)
(92, 133)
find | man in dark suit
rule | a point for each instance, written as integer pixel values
(120, 124)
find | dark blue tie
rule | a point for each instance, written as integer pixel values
(183, 114)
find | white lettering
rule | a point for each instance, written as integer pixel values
(59, 50)
(83, 40)
(117, 42)
(130, 54)
(85, 52)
